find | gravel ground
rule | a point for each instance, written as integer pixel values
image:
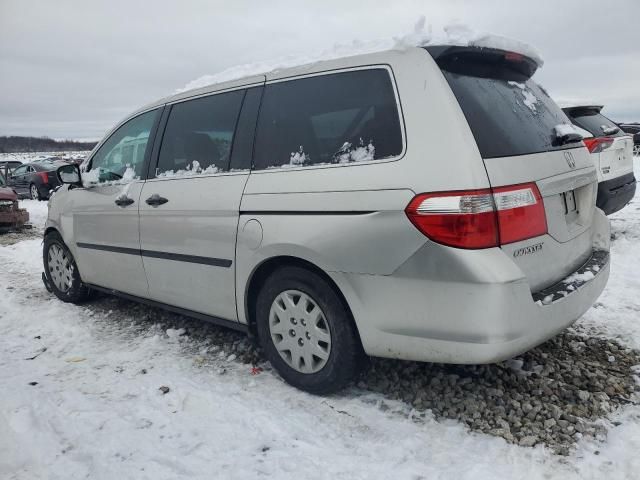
(553, 395)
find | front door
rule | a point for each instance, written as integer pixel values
(105, 210)
(18, 180)
(189, 212)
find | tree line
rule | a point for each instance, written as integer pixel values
(41, 144)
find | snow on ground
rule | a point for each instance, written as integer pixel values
(89, 405)
(31, 156)
(38, 211)
(618, 310)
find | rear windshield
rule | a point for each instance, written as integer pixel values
(508, 113)
(595, 123)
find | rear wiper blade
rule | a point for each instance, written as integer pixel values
(565, 133)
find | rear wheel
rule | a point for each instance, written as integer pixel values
(306, 332)
(35, 194)
(61, 271)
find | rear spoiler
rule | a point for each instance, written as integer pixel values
(595, 108)
(457, 59)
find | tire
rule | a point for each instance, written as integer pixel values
(61, 270)
(34, 193)
(292, 292)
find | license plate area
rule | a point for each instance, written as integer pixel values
(570, 205)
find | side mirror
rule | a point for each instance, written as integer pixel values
(69, 174)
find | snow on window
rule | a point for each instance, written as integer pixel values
(299, 158)
(362, 153)
(564, 129)
(191, 170)
(528, 97)
(347, 154)
(105, 177)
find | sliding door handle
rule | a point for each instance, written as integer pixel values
(123, 201)
(155, 200)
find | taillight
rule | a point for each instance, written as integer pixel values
(43, 176)
(598, 144)
(480, 218)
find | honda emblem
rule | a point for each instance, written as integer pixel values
(568, 156)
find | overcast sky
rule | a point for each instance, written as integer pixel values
(71, 69)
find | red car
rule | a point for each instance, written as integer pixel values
(10, 215)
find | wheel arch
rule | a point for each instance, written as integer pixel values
(270, 265)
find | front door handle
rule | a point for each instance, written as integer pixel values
(155, 200)
(123, 201)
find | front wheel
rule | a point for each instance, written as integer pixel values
(61, 271)
(306, 331)
(636, 149)
(35, 194)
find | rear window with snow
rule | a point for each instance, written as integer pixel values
(594, 122)
(508, 113)
(329, 119)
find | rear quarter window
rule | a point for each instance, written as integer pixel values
(337, 118)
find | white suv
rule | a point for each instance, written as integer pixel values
(612, 153)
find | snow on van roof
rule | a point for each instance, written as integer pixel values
(453, 34)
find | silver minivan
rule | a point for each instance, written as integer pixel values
(425, 204)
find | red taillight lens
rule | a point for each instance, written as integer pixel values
(521, 212)
(43, 176)
(598, 144)
(480, 218)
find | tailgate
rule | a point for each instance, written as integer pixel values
(569, 196)
(617, 159)
(523, 137)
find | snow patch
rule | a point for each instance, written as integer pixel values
(422, 35)
(529, 98)
(192, 169)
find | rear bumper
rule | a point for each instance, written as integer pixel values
(614, 194)
(13, 218)
(478, 310)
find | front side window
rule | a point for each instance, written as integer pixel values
(20, 171)
(121, 157)
(329, 119)
(198, 137)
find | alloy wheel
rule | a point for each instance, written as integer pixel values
(34, 192)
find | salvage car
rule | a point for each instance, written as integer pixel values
(11, 216)
(611, 150)
(36, 179)
(423, 204)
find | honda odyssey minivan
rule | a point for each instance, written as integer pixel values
(425, 204)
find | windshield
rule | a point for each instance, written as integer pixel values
(508, 113)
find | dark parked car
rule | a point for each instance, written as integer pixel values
(35, 179)
(633, 129)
